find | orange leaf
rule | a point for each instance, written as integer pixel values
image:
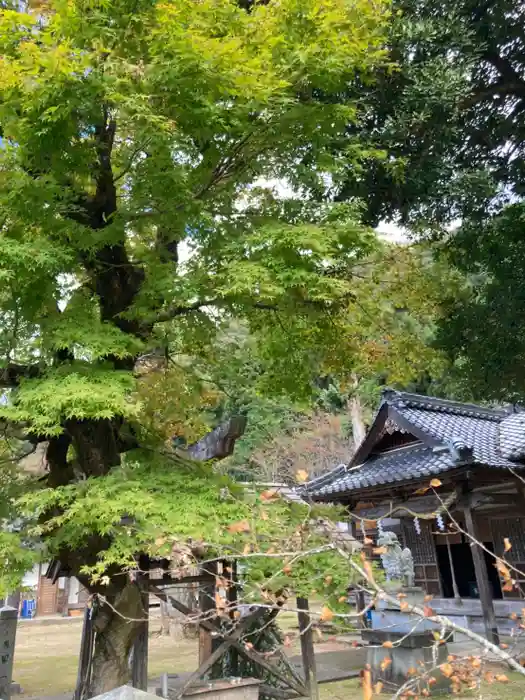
(446, 670)
(435, 483)
(401, 595)
(287, 569)
(367, 684)
(387, 645)
(502, 678)
(428, 598)
(264, 515)
(301, 475)
(248, 645)
(488, 677)
(378, 687)
(428, 611)
(503, 645)
(328, 580)
(269, 495)
(368, 570)
(422, 491)
(241, 526)
(503, 570)
(507, 544)
(326, 614)
(514, 616)
(343, 599)
(219, 602)
(368, 541)
(432, 680)
(403, 606)
(385, 663)
(380, 550)
(411, 671)
(508, 587)
(355, 644)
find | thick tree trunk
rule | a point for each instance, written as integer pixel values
(115, 630)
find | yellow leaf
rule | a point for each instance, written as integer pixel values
(385, 663)
(264, 515)
(435, 483)
(502, 678)
(247, 549)
(378, 687)
(388, 644)
(287, 569)
(507, 544)
(326, 614)
(328, 580)
(343, 599)
(301, 475)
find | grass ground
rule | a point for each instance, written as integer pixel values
(46, 660)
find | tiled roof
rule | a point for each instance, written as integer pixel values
(450, 435)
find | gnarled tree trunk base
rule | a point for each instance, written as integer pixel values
(116, 627)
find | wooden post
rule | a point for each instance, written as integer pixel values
(139, 667)
(307, 648)
(85, 656)
(453, 574)
(482, 576)
(232, 605)
(206, 605)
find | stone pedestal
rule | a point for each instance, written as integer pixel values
(413, 652)
(8, 620)
(126, 692)
(231, 689)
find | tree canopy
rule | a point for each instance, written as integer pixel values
(139, 142)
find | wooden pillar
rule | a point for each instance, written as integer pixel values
(139, 666)
(482, 576)
(233, 611)
(206, 605)
(307, 648)
(453, 573)
(85, 656)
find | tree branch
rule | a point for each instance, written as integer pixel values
(11, 374)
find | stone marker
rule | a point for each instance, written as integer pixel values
(126, 692)
(416, 650)
(8, 620)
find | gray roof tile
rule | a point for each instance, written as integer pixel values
(468, 434)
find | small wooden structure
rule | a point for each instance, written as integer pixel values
(476, 457)
(216, 638)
